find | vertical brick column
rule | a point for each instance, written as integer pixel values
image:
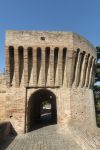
(7, 67)
(43, 66)
(70, 66)
(91, 73)
(83, 71)
(78, 69)
(34, 66)
(16, 57)
(64, 67)
(51, 67)
(88, 71)
(60, 55)
(25, 66)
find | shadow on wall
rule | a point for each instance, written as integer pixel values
(7, 134)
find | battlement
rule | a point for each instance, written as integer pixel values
(41, 58)
(50, 39)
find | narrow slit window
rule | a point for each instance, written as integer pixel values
(11, 62)
(21, 63)
(47, 61)
(38, 62)
(29, 63)
(56, 50)
(64, 62)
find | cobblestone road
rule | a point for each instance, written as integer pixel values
(46, 138)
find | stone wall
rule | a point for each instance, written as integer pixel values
(15, 108)
(82, 102)
(61, 62)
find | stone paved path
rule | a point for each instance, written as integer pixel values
(46, 138)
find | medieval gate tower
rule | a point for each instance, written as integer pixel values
(56, 66)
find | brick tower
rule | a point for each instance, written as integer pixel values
(56, 66)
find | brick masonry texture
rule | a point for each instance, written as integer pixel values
(60, 65)
(60, 62)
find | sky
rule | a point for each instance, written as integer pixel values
(80, 16)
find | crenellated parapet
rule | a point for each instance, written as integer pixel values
(84, 67)
(48, 59)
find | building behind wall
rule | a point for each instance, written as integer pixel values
(60, 64)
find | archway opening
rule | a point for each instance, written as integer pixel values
(42, 110)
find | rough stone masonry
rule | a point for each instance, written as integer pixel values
(59, 66)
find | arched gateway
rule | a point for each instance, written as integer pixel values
(37, 113)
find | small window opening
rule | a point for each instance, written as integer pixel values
(43, 38)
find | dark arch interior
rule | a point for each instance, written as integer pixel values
(42, 109)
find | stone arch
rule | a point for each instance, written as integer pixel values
(34, 119)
